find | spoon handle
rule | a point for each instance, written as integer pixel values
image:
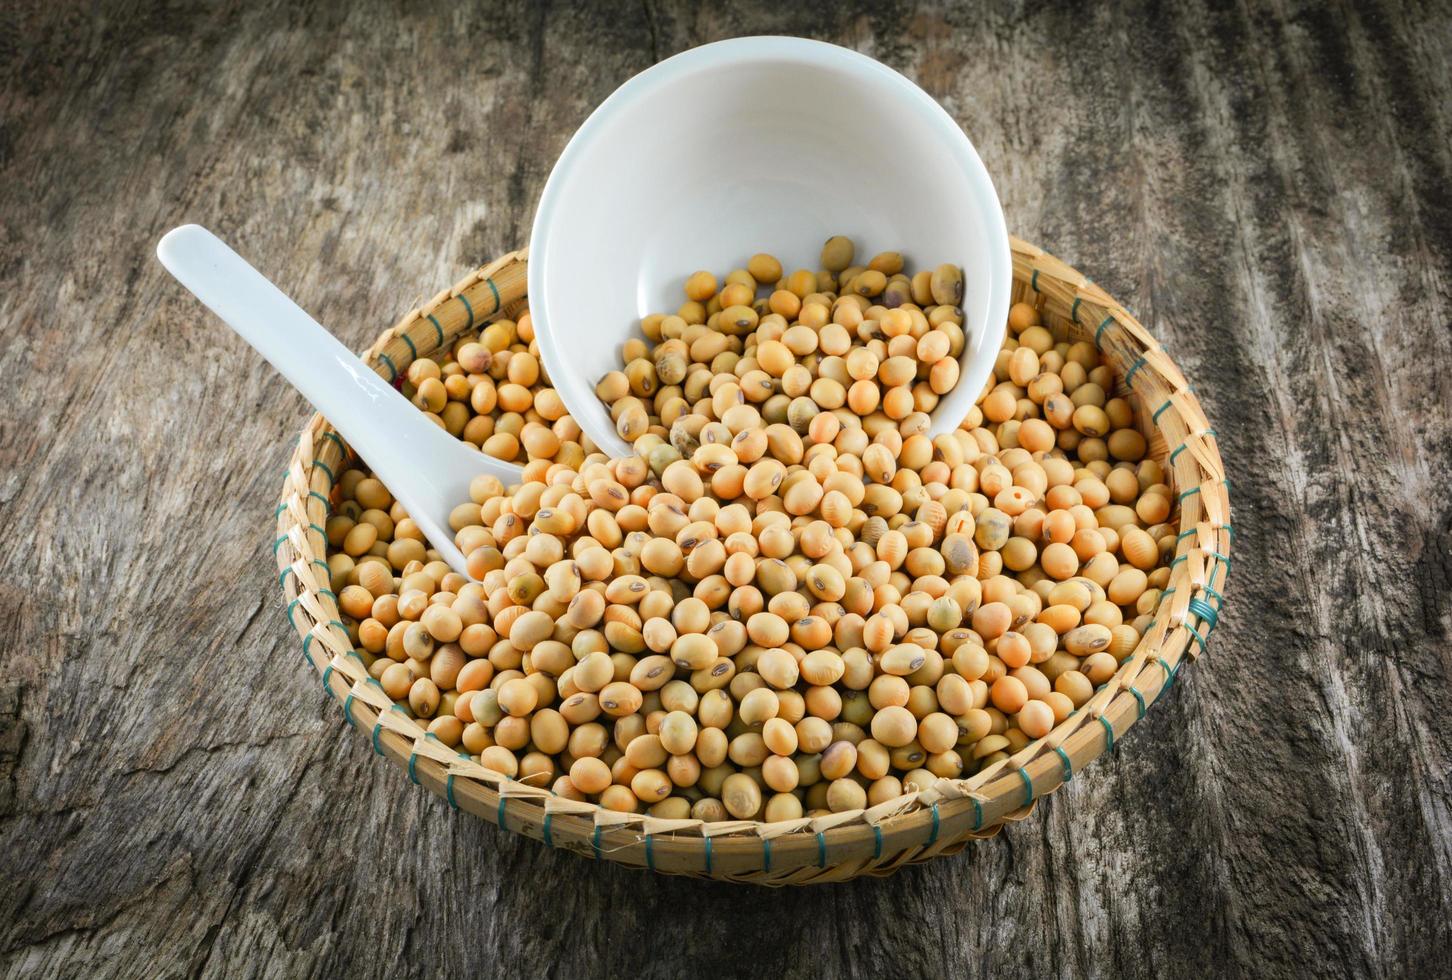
(420, 462)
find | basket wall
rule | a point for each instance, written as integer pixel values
(840, 846)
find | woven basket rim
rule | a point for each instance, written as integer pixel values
(913, 827)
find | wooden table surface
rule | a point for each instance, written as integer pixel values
(1266, 185)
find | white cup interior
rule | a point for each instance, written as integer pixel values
(749, 145)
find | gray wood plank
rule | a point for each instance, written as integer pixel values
(1266, 184)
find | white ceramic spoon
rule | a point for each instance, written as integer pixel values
(423, 466)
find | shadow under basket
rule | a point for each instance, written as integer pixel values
(840, 846)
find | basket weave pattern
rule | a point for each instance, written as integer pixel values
(914, 827)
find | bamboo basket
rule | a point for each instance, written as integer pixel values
(876, 841)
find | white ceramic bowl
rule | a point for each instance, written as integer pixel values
(754, 144)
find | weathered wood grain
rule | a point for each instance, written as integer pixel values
(1267, 184)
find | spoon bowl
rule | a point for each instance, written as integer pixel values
(752, 144)
(425, 468)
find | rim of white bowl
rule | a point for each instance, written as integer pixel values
(591, 415)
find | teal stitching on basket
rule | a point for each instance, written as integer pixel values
(377, 730)
(1107, 321)
(1182, 446)
(307, 640)
(1195, 635)
(332, 480)
(1129, 375)
(1230, 529)
(1215, 571)
(549, 837)
(595, 842)
(412, 350)
(291, 606)
(1068, 766)
(1139, 698)
(278, 543)
(1074, 310)
(977, 814)
(469, 307)
(449, 785)
(413, 758)
(1108, 733)
(392, 368)
(495, 290)
(766, 854)
(708, 855)
(1155, 418)
(933, 837)
(1195, 490)
(500, 813)
(821, 849)
(327, 676)
(311, 493)
(1199, 607)
(650, 851)
(348, 710)
(876, 842)
(1034, 282)
(1169, 674)
(1028, 786)
(440, 329)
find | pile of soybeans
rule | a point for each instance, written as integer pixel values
(792, 600)
(490, 389)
